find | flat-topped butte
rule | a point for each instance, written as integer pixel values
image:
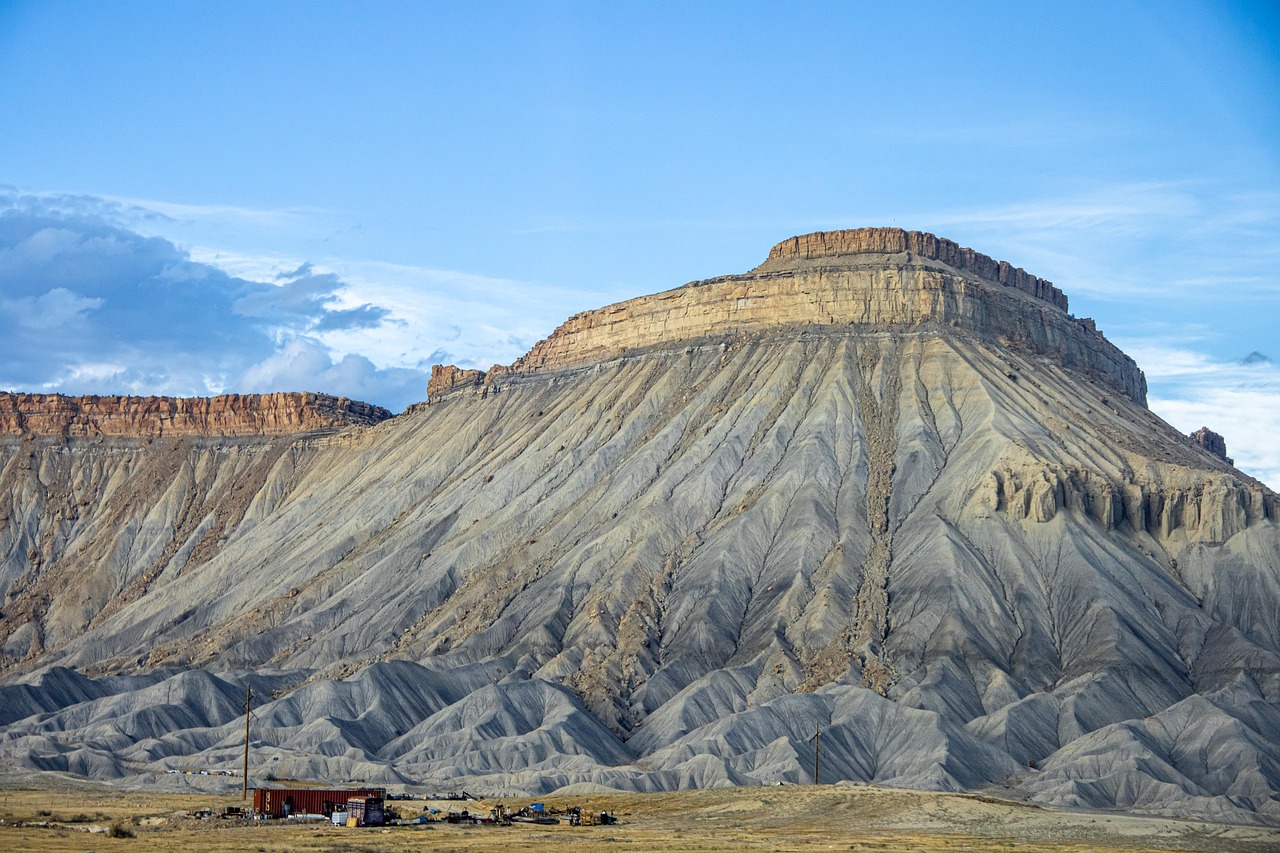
(839, 281)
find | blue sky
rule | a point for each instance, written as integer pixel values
(207, 197)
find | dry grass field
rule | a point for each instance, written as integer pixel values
(774, 819)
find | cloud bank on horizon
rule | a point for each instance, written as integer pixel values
(1239, 400)
(91, 305)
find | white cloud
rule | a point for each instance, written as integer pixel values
(1239, 401)
(178, 320)
(305, 364)
(91, 305)
(479, 320)
(88, 371)
(56, 308)
(244, 265)
(1160, 361)
(143, 210)
(467, 319)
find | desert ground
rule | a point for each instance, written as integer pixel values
(65, 815)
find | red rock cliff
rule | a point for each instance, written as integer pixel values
(446, 377)
(226, 415)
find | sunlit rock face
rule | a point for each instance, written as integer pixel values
(43, 415)
(881, 485)
(825, 281)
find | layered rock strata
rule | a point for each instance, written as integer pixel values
(822, 245)
(446, 377)
(225, 415)
(883, 277)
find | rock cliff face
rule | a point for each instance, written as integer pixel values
(880, 484)
(869, 277)
(446, 377)
(823, 245)
(227, 415)
(1212, 442)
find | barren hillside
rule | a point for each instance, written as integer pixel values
(880, 484)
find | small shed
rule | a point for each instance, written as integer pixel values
(367, 811)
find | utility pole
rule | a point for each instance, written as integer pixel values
(817, 736)
(244, 779)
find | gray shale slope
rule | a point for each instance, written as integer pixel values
(880, 485)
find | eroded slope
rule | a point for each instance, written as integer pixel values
(970, 558)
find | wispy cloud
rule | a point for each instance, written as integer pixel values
(138, 213)
(1112, 242)
(1126, 240)
(447, 315)
(1125, 209)
(178, 212)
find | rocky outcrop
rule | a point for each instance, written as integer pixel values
(839, 281)
(225, 415)
(446, 377)
(1212, 442)
(1190, 507)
